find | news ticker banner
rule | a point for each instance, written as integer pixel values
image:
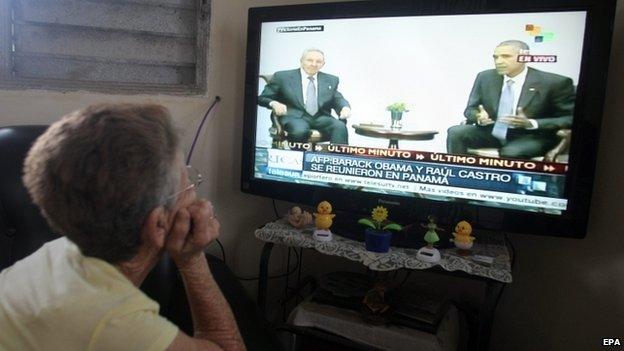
(476, 183)
(467, 160)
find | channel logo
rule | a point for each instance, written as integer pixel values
(285, 159)
(538, 34)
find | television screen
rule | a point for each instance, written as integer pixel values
(477, 108)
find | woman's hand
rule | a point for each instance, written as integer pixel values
(194, 228)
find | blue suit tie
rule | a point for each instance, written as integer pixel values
(505, 108)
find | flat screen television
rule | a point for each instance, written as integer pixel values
(478, 109)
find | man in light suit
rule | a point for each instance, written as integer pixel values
(515, 108)
(303, 99)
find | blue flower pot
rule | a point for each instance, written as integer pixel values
(377, 240)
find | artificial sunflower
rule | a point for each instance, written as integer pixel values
(379, 215)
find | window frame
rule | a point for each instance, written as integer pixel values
(10, 82)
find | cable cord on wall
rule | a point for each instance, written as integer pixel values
(214, 103)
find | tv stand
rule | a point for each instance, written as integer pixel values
(494, 275)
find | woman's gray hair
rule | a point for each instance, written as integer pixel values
(97, 173)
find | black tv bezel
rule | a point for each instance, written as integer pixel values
(585, 131)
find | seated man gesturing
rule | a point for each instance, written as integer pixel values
(515, 108)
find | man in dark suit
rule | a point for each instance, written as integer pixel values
(513, 107)
(303, 99)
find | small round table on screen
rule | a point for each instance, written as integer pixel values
(376, 131)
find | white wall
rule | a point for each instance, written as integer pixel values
(567, 294)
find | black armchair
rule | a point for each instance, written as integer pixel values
(23, 230)
(559, 153)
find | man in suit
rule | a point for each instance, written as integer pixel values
(513, 107)
(303, 99)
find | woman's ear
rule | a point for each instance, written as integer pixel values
(155, 228)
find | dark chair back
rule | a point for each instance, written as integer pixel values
(22, 227)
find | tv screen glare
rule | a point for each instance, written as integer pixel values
(492, 106)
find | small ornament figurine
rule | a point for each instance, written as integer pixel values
(430, 253)
(379, 220)
(375, 305)
(323, 221)
(378, 236)
(298, 218)
(463, 240)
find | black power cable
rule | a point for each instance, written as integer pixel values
(288, 273)
(408, 273)
(512, 261)
(277, 215)
(222, 250)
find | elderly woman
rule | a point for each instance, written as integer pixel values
(111, 180)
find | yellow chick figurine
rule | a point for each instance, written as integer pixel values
(323, 220)
(463, 240)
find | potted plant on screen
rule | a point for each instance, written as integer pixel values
(396, 114)
(378, 235)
